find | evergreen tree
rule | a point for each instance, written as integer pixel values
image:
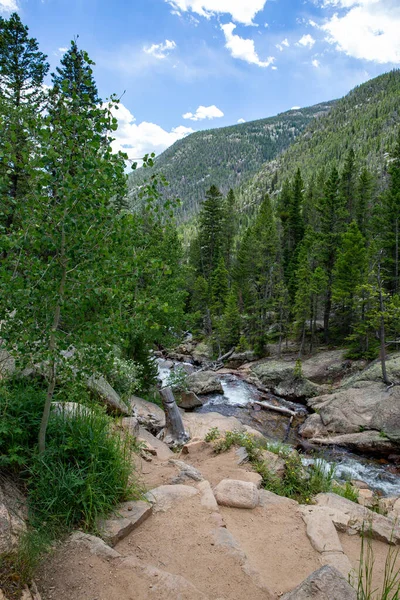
(348, 184)
(230, 325)
(230, 226)
(364, 195)
(348, 275)
(391, 215)
(211, 230)
(22, 71)
(219, 287)
(75, 76)
(333, 214)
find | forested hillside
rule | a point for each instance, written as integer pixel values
(227, 157)
(318, 257)
(365, 120)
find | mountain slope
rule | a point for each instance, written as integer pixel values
(366, 120)
(227, 157)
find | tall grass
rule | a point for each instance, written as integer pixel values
(85, 470)
(390, 589)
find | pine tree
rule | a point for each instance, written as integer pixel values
(348, 184)
(230, 226)
(333, 214)
(75, 76)
(219, 287)
(22, 71)
(364, 193)
(211, 230)
(392, 221)
(230, 325)
(348, 275)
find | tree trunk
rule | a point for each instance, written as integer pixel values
(174, 430)
(52, 347)
(382, 327)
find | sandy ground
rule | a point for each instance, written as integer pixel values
(180, 554)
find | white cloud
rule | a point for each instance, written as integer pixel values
(139, 139)
(8, 6)
(307, 41)
(295, 107)
(315, 63)
(369, 29)
(63, 50)
(242, 11)
(274, 68)
(284, 43)
(241, 120)
(204, 112)
(313, 23)
(160, 50)
(243, 49)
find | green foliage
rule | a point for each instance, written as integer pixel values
(298, 370)
(21, 408)
(178, 379)
(84, 471)
(347, 491)
(298, 482)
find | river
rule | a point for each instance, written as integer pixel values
(237, 401)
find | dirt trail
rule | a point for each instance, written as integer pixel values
(191, 552)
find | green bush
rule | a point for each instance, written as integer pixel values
(84, 471)
(21, 408)
(347, 491)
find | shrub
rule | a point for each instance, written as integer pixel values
(347, 491)
(84, 471)
(178, 379)
(21, 408)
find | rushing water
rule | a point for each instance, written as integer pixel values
(237, 401)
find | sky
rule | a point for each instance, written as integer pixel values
(186, 65)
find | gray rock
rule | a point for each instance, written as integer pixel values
(236, 494)
(237, 359)
(325, 584)
(163, 451)
(104, 392)
(207, 496)
(165, 497)
(369, 407)
(13, 515)
(185, 472)
(370, 442)
(373, 373)
(274, 463)
(313, 427)
(199, 424)
(362, 518)
(242, 456)
(187, 400)
(148, 413)
(204, 382)
(94, 544)
(128, 516)
(131, 425)
(268, 498)
(7, 363)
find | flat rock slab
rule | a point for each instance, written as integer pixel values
(237, 494)
(163, 451)
(165, 496)
(268, 498)
(128, 516)
(360, 518)
(325, 584)
(321, 532)
(94, 544)
(207, 496)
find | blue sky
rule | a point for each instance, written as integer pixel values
(187, 65)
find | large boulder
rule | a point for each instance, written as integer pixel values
(355, 409)
(187, 400)
(204, 382)
(279, 377)
(327, 367)
(199, 424)
(13, 515)
(313, 427)
(106, 394)
(325, 584)
(373, 373)
(237, 494)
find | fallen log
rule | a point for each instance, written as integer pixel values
(279, 409)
